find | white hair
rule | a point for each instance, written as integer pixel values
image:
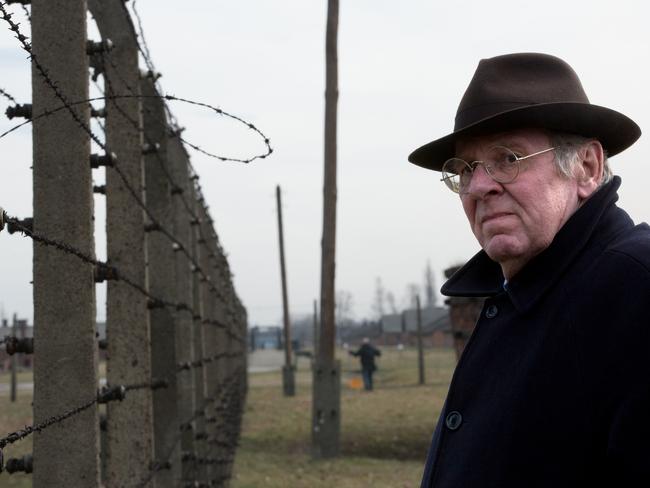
(567, 147)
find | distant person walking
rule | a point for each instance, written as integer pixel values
(366, 353)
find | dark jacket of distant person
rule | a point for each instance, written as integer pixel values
(553, 388)
(367, 353)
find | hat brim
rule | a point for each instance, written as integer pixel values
(615, 131)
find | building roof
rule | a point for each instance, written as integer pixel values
(435, 318)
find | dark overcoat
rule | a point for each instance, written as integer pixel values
(552, 389)
(366, 354)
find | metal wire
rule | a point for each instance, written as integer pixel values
(231, 394)
(132, 191)
(7, 96)
(223, 391)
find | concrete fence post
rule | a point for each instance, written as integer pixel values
(65, 364)
(130, 422)
(209, 333)
(199, 346)
(161, 285)
(220, 268)
(183, 291)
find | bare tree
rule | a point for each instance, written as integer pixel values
(380, 296)
(344, 307)
(429, 286)
(412, 291)
(390, 299)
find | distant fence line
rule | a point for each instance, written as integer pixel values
(176, 331)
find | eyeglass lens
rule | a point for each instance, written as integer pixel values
(501, 163)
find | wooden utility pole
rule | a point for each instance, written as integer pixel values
(420, 351)
(288, 380)
(316, 332)
(14, 362)
(326, 418)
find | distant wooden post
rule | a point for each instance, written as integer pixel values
(420, 351)
(326, 405)
(288, 380)
(14, 362)
(316, 331)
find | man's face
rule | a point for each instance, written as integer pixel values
(515, 221)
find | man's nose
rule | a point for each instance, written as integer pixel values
(482, 183)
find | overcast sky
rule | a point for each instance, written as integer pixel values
(402, 70)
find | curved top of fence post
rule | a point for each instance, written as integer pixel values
(113, 21)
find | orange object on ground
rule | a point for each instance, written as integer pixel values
(355, 383)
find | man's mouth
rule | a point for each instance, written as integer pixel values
(494, 216)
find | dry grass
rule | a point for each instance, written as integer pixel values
(384, 438)
(14, 416)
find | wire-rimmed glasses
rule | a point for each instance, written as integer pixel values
(501, 164)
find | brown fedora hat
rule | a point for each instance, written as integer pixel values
(528, 90)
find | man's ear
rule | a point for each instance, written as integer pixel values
(589, 172)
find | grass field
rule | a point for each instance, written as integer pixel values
(14, 416)
(384, 437)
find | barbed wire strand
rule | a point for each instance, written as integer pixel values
(127, 184)
(7, 95)
(117, 275)
(222, 389)
(59, 418)
(144, 51)
(27, 47)
(193, 176)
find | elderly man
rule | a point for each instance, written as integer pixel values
(553, 388)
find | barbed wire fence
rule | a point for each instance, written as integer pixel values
(176, 379)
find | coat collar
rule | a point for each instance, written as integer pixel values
(482, 277)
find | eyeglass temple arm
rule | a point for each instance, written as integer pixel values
(536, 154)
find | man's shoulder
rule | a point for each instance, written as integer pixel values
(631, 249)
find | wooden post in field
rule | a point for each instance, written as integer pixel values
(420, 351)
(14, 362)
(288, 380)
(326, 405)
(316, 331)
(65, 362)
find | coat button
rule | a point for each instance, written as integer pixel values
(453, 420)
(491, 311)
